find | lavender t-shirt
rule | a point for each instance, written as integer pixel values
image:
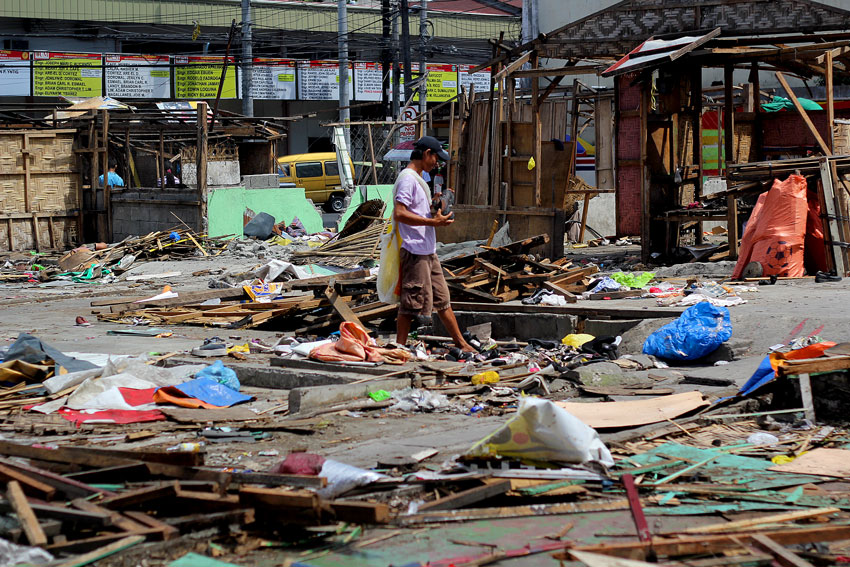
(420, 240)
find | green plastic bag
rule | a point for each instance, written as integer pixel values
(380, 395)
(633, 280)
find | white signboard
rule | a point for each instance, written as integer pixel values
(319, 80)
(407, 133)
(15, 73)
(138, 76)
(481, 80)
(368, 80)
(273, 79)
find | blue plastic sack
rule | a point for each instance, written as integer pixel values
(696, 333)
(221, 374)
(208, 390)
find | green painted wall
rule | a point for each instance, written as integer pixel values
(226, 206)
(383, 192)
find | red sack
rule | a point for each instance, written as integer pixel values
(776, 231)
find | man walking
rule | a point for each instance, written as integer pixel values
(423, 287)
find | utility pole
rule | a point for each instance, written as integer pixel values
(405, 47)
(396, 67)
(386, 59)
(423, 44)
(247, 59)
(344, 99)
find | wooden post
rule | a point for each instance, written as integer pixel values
(94, 158)
(732, 225)
(51, 230)
(728, 117)
(508, 133)
(585, 205)
(830, 102)
(806, 396)
(201, 157)
(832, 221)
(645, 200)
(25, 162)
(372, 153)
(129, 158)
(161, 159)
(536, 133)
(757, 130)
(107, 187)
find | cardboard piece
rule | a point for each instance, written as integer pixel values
(824, 462)
(610, 415)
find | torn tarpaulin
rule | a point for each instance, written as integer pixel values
(33, 350)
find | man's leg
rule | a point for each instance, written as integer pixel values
(447, 316)
(402, 328)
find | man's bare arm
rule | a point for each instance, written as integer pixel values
(404, 215)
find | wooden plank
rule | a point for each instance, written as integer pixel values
(583, 310)
(623, 294)
(827, 183)
(830, 99)
(30, 485)
(812, 365)
(490, 268)
(115, 518)
(278, 498)
(555, 288)
(732, 225)
(168, 531)
(99, 458)
(139, 496)
(341, 306)
(783, 556)
(101, 552)
(803, 114)
(467, 497)
(806, 395)
(359, 512)
(67, 486)
(690, 545)
(26, 516)
(770, 519)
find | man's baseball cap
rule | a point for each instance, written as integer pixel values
(431, 143)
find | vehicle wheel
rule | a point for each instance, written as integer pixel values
(336, 203)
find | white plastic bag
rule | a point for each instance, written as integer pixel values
(389, 273)
(542, 431)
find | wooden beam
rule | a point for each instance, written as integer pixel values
(691, 545)
(26, 517)
(520, 61)
(830, 101)
(728, 116)
(549, 90)
(803, 113)
(556, 72)
(102, 552)
(466, 497)
(28, 484)
(783, 556)
(828, 186)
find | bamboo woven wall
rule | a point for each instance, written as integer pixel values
(38, 175)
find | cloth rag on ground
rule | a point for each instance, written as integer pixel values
(355, 345)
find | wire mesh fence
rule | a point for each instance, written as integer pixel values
(374, 139)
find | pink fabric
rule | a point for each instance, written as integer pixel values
(300, 463)
(112, 416)
(355, 345)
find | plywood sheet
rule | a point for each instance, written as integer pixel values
(610, 415)
(824, 462)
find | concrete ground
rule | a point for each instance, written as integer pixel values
(365, 438)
